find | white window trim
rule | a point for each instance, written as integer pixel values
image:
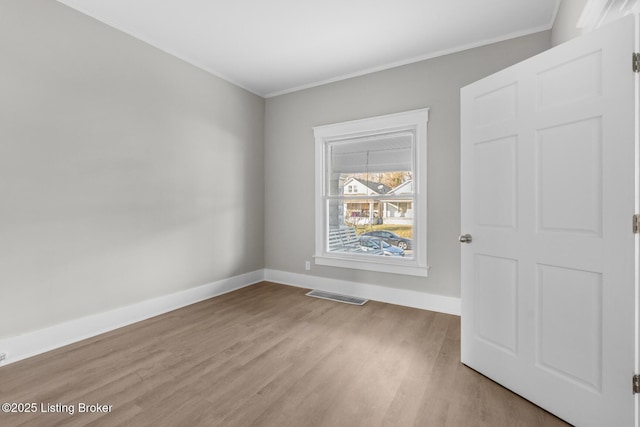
(415, 120)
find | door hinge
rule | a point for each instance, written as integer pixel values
(635, 62)
(636, 224)
(636, 384)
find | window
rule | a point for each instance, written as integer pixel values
(371, 201)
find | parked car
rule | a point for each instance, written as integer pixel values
(376, 246)
(391, 238)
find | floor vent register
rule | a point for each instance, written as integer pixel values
(337, 297)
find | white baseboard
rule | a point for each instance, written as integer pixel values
(32, 343)
(439, 303)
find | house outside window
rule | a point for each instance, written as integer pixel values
(371, 193)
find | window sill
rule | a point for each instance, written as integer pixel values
(408, 268)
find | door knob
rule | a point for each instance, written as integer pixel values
(465, 238)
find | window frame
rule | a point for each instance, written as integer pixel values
(415, 121)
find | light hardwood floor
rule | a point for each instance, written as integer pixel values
(268, 355)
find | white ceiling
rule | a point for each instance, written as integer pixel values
(272, 47)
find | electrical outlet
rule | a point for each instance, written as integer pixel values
(3, 356)
(307, 265)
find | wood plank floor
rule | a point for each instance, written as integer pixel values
(267, 355)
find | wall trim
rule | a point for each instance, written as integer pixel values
(30, 344)
(42, 340)
(408, 298)
(419, 58)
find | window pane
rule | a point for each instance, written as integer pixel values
(379, 163)
(354, 223)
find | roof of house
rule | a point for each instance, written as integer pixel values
(402, 188)
(376, 187)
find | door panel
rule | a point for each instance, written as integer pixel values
(548, 281)
(497, 318)
(570, 316)
(557, 85)
(569, 162)
(496, 200)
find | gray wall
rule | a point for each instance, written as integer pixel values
(125, 173)
(564, 28)
(289, 156)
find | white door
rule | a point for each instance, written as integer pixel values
(548, 195)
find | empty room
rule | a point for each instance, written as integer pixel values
(337, 213)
